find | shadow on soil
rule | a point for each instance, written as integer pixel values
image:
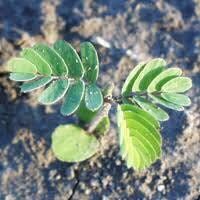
(17, 17)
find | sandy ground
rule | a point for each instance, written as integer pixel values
(147, 29)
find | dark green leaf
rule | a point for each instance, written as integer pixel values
(90, 61)
(56, 63)
(71, 58)
(54, 92)
(35, 84)
(73, 98)
(93, 97)
(72, 144)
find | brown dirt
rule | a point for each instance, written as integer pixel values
(168, 29)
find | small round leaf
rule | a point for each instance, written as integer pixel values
(72, 144)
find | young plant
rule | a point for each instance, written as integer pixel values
(73, 79)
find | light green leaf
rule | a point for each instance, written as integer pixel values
(142, 113)
(73, 98)
(90, 61)
(72, 144)
(54, 92)
(56, 63)
(167, 104)
(179, 99)
(140, 141)
(103, 126)
(71, 58)
(42, 66)
(127, 87)
(162, 78)
(22, 76)
(177, 85)
(152, 109)
(152, 69)
(93, 97)
(35, 84)
(21, 65)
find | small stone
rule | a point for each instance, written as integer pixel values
(160, 188)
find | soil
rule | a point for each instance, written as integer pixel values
(134, 31)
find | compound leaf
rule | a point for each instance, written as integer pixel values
(152, 109)
(72, 144)
(73, 98)
(71, 58)
(177, 85)
(162, 78)
(21, 65)
(140, 141)
(22, 76)
(150, 71)
(179, 99)
(54, 92)
(56, 63)
(90, 61)
(93, 97)
(35, 84)
(142, 113)
(42, 66)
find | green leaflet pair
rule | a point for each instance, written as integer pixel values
(65, 74)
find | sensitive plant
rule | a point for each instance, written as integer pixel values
(71, 79)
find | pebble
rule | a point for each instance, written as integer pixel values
(160, 188)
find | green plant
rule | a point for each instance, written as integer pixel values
(73, 79)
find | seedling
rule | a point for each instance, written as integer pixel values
(72, 79)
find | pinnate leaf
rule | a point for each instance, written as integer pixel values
(140, 141)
